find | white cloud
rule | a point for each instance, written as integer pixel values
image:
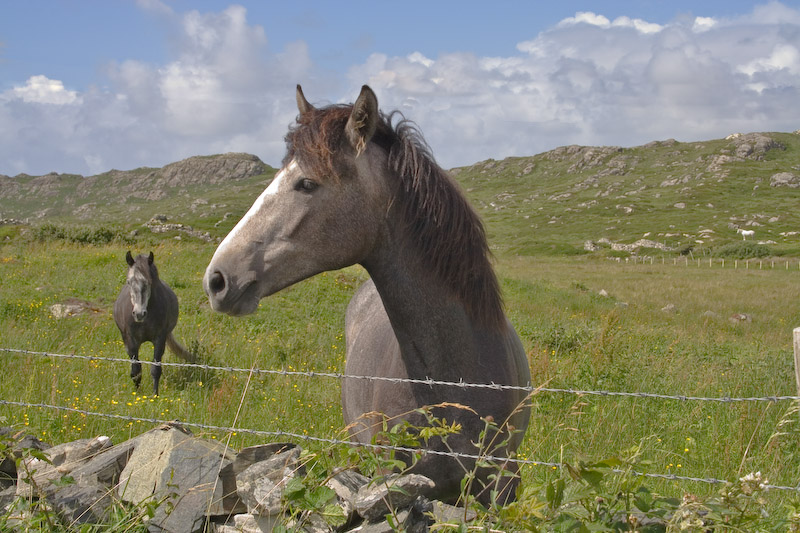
(592, 80)
(42, 90)
(593, 19)
(587, 80)
(703, 24)
(783, 56)
(222, 90)
(586, 17)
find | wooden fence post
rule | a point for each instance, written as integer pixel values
(796, 342)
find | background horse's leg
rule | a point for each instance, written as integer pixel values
(136, 366)
(155, 370)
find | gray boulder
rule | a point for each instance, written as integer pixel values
(785, 179)
(248, 523)
(66, 457)
(80, 503)
(255, 454)
(260, 486)
(36, 474)
(346, 485)
(171, 465)
(374, 501)
(449, 514)
(381, 527)
(106, 466)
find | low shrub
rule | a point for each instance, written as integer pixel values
(80, 235)
(743, 250)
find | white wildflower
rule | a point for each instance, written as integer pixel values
(753, 482)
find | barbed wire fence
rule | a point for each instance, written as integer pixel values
(429, 382)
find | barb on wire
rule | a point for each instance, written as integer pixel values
(325, 440)
(428, 381)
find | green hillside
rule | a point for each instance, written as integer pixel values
(680, 197)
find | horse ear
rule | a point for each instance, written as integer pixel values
(150, 258)
(363, 119)
(129, 258)
(302, 104)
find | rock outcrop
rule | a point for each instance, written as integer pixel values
(785, 179)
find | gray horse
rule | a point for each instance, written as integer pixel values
(146, 310)
(357, 189)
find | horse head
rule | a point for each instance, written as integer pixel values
(140, 282)
(320, 212)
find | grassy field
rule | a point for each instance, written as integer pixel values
(575, 338)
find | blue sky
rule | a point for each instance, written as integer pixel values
(90, 86)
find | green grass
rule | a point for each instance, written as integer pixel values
(575, 339)
(581, 340)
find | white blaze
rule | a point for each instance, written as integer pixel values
(254, 209)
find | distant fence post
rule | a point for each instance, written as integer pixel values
(796, 342)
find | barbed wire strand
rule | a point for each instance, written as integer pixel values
(311, 438)
(429, 382)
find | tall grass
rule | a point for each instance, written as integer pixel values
(575, 338)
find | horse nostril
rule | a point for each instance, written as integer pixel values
(216, 282)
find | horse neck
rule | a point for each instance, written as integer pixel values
(154, 279)
(437, 338)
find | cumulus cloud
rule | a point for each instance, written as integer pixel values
(223, 90)
(41, 90)
(592, 80)
(594, 19)
(589, 79)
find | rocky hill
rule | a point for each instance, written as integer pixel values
(664, 196)
(673, 195)
(64, 196)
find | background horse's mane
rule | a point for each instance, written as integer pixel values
(443, 225)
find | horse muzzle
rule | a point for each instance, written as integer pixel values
(230, 295)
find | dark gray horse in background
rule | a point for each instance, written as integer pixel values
(146, 310)
(357, 189)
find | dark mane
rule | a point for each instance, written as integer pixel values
(442, 224)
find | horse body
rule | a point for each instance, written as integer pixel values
(354, 189)
(146, 310)
(444, 346)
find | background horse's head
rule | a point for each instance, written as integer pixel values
(141, 273)
(322, 210)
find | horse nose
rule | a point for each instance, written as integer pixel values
(139, 316)
(215, 283)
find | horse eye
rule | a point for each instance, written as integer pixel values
(306, 185)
